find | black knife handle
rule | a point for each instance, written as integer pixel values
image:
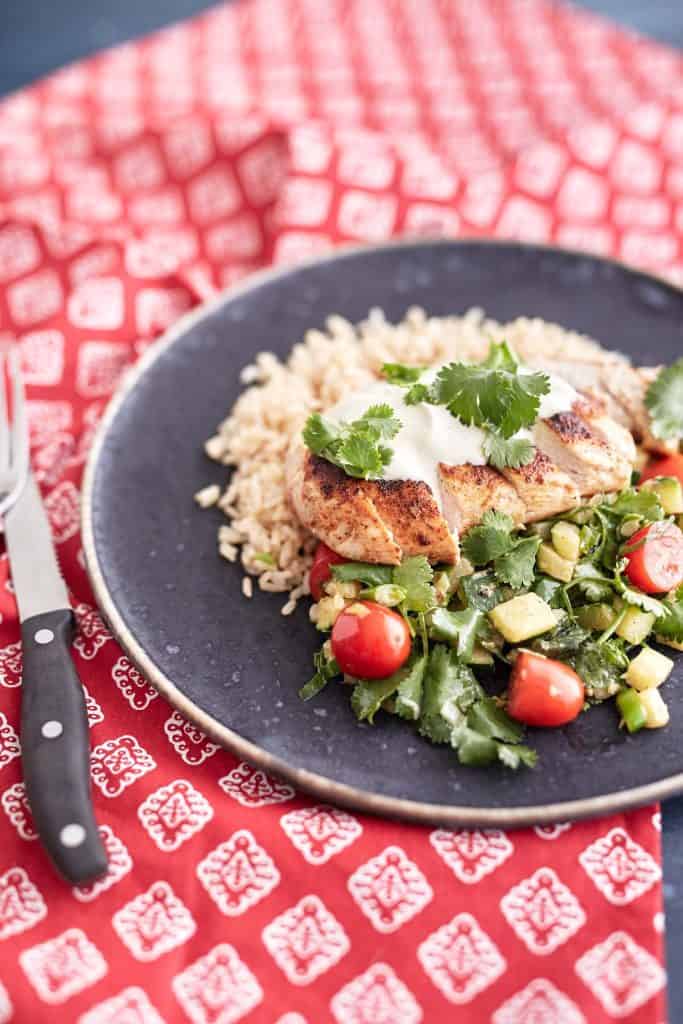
(56, 748)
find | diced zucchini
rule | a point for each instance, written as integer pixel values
(480, 656)
(596, 616)
(670, 493)
(677, 646)
(328, 611)
(522, 617)
(648, 670)
(552, 564)
(566, 540)
(656, 711)
(635, 625)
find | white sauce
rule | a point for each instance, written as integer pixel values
(430, 434)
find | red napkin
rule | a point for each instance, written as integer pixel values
(133, 186)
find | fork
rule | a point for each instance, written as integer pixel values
(54, 723)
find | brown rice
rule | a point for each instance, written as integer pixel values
(263, 530)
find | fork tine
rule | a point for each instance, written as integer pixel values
(19, 428)
(4, 422)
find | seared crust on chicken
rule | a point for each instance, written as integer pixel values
(577, 454)
(468, 491)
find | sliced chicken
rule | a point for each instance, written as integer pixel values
(543, 488)
(367, 520)
(613, 381)
(468, 491)
(578, 454)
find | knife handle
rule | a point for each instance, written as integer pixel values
(55, 745)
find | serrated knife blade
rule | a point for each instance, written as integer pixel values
(38, 582)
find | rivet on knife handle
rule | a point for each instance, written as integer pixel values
(55, 748)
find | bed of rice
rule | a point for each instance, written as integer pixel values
(262, 530)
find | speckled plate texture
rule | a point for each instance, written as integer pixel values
(234, 666)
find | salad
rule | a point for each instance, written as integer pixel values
(576, 607)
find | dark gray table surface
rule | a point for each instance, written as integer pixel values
(37, 36)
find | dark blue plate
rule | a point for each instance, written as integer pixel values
(234, 666)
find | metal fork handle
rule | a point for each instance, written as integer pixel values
(55, 749)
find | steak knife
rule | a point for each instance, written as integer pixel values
(54, 725)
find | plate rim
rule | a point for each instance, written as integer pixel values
(313, 783)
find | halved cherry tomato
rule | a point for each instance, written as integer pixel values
(543, 691)
(370, 641)
(320, 570)
(668, 465)
(655, 564)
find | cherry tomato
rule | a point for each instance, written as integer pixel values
(370, 641)
(320, 570)
(668, 465)
(543, 691)
(655, 565)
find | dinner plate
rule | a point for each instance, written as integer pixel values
(234, 666)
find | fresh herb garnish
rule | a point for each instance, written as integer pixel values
(670, 624)
(502, 399)
(511, 452)
(513, 557)
(414, 576)
(325, 669)
(402, 376)
(664, 400)
(355, 447)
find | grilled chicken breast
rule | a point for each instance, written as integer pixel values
(578, 453)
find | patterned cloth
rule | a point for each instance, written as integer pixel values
(133, 186)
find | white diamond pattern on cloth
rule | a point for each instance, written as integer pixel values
(540, 1002)
(238, 874)
(619, 867)
(132, 1006)
(620, 974)
(154, 922)
(377, 996)
(117, 764)
(133, 686)
(61, 967)
(251, 787)
(21, 903)
(218, 988)
(320, 832)
(10, 665)
(543, 912)
(174, 813)
(189, 742)
(471, 854)
(461, 959)
(552, 831)
(15, 805)
(390, 889)
(306, 940)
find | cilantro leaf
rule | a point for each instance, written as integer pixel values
(501, 357)
(640, 600)
(670, 625)
(491, 720)
(644, 503)
(447, 684)
(325, 669)
(514, 756)
(565, 640)
(516, 567)
(369, 694)
(362, 572)
(601, 665)
(481, 590)
(417, 393)
(378, 422)
(496, 398)
(401, 375)
(459, 629)
(409, 692)
(319, 433)
(590, 582)
(415, 575)
(490, 539)
(664, 400)
(354, 447)
(510, 452)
